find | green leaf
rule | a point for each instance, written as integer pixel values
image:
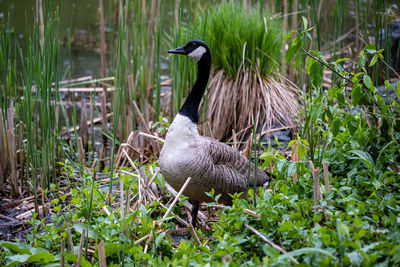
(343, 59)
(315, 112)
(293, 49)
(302, 251)
(74, 258)
(305, 22)
(356, 94)
(90, 231)
(373, 61)
(336, 127)
(367, 81)
(20, 248)
(288, 35)
(316, 74)
(16, 259)
(41, 257)
(365, 158)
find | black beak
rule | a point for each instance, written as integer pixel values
(179, 50)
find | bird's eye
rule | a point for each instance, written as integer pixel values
(194, 45)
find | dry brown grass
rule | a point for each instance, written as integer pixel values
(235, 104)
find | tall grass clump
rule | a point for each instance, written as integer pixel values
(40, 77)
(29, 104)
(246, 47)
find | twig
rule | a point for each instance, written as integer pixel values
(272, 244)
(151, 136)
(140, 240)
(182, 221)
(177, 197)
(8, 219)
(326, 65)
(154, 177)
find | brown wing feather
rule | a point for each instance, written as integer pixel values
(224, 169)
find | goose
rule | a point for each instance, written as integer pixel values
(210, 163)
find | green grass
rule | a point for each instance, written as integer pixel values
(236, 36)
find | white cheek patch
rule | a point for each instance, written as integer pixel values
(197, 53)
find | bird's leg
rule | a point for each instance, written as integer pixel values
(195, 210)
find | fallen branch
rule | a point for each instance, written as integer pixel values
(177, 197)
(186, 205)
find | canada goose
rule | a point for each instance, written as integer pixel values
(185, 153)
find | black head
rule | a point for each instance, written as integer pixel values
(195, 49)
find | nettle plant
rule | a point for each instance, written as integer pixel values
(355, 128)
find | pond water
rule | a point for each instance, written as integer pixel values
(80, 17)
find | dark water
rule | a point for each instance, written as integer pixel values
(78, 19)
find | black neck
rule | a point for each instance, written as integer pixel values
(190, 108)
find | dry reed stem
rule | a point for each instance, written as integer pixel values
(121, 192)
(317, 189)
(86, 89)
(150, 237)
(294, 27)
(62, 252)
(119, 154)
(104, 208)
(295, 158)
(273, 102)
(84, 130)
(252, 213)
(102, 254)
(71, 244)
(81, 243)
(270, 242)
(177, 197)
(154, 177)
(326, 178)
(29, 213)
(152, 136)
(3, 153)
(103, 44)
(81, 151)
(187, 205)
(284, 29)
(194, 234)
(179, 219)
(13, 160)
